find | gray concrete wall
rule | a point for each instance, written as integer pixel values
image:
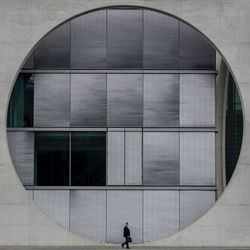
(24, 22)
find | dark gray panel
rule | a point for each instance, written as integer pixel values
(161, 100)
(122, 207)
(193, 204)
(88, 214)
(21, 146)
(29, 63)
(161, 158)
(197, 100)
(161, 214)
(133, 158)
(54, 49)
(197, 158)
(115, 158)
(55, 203)
(124, 41)
(52, 100)
(195, 51)
(88, 100)
(88, 40)
(161, 40)
(124, 100)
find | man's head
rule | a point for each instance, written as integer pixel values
(126, 224)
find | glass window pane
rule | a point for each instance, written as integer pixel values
(88, 158)
(198, 111)
(124, 41)
(88, 100)
(161, 158)
(195, 50)
(124, 100)
(52, 100)
(161, 41)
(21, 105)
(51, 159)
(161, 100)
(29, 63)
(53, 52)
(88, 41)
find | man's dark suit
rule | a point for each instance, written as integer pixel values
(126, 234)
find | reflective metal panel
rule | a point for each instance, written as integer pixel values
(197, 158)
(161, 214)
(124, 38)
(195, 50)
(88, 100)
(55, 203)
(161, 100)
(161, 158)
(88, 40)
(53, 52)
(122, 207)
(115, 158)
(88, 214)
(52, 100)
(197, 100)
(21, 146)
(193, 204)
(161, 40)
(133, 158)
(124, 100)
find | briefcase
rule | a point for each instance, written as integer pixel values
(129, 239)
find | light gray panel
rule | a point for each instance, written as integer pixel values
(124, 38)
(88, 100)
(197, 100)
(161, 100)
(133, 158)
(161, 40)
(21, 146)
(115, 158)
(30, 194)
(55, 203)
(52, 100)
(124, 100)
(122, 207)
(88, 40)
(197, 158)
(88, 214)
(161, 158)
(193, 204)
(161, 214)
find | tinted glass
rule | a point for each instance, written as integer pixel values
(161, 40)
(88, 40)
(124, 41)
(88, 159)
(51, 159)
(53, 52)
(20, 111)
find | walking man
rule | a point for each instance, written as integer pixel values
(126, 235)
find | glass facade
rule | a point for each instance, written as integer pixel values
(117, 130)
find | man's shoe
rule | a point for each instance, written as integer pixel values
(122, 246)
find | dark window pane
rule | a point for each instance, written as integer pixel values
(161, 100)
(124, 100)
(195, 51)
(88, 159)
(53, 52)
(124, 41)
(88, 100)
(88, 41)
(29, 63)
(52, 100)
(161, 40)
(51, 159)
(20, 111)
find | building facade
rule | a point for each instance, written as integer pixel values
(131, 122)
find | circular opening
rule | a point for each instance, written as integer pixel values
(113, 119)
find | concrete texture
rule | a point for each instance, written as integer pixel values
(24, 22)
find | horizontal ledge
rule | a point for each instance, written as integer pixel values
(117, 71)
(115, 129)
(187, 188)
